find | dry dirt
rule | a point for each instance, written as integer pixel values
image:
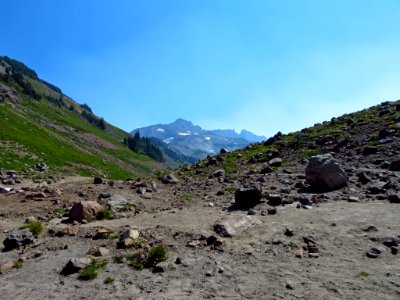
(258, 264)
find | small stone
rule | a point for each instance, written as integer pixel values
(7, 266)
(394, 250)
(99, 251)
(210, 204)
(221, 270)
(353, 199)
(313, 255)
(74, 265)
(289, 285)
(378, 249)
(390, 241)
(209, 273)
(178, 261)
(161, 267)
(370, 228)
(372, 254)
(272, 211)
(394, 198)
(299, 253)
(289, 232)
(105, 195)
(97, 180)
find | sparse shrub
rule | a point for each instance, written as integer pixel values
(19, 264)
(105, 214)
(90, 272)
(363, 274)
(137, 265)
(118, 260)
(185, 197)
(34, 227)
(156, 254)
(109, 280)
(59, 211)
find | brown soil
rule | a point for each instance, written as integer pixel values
(258, 264)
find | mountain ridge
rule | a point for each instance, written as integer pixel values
(193, 141)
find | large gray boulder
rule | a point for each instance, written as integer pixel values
(324, 172)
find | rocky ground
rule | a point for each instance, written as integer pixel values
(287, 227)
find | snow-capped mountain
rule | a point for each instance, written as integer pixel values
(193, 141)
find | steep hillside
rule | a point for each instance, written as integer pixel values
(39, 124)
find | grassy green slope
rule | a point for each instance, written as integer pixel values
(38, 131)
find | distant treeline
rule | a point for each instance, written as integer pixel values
(21, 69)
(143, 145)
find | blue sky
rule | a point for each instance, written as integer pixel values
(261, 65)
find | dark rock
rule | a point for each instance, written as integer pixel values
(211, 240)
(266, 170)
(390, 241)
(275, 162)
(304, 200)
(378, 249)
(363, 178)
(377, 188)
(395, 165)
(370, 228)
(287, 201)
(271, 210)
(289, 232)
(251, 212)
(274, 199)
(372, 254)
(42, 167)
(17, 239)
(74, 265)
(247, 197)
(368, 150)
(394, 250)
(222, 151)
(105, 195)
(161, 267)
(97, 180)
(323, 172)
(394, 198)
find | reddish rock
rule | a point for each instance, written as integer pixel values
(70, 231)
(7, 266)
(99, 251)
(84, 210)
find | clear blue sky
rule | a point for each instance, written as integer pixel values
(264, 65)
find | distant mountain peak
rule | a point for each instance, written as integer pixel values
(195, 142)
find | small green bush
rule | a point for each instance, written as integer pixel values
(109, 280)
(90, 272)
(34, 227)
(118, 260)
(156, 254)
(363, 274)
(19, 264)
(105, 214)
(185, 197)
(137, 265)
